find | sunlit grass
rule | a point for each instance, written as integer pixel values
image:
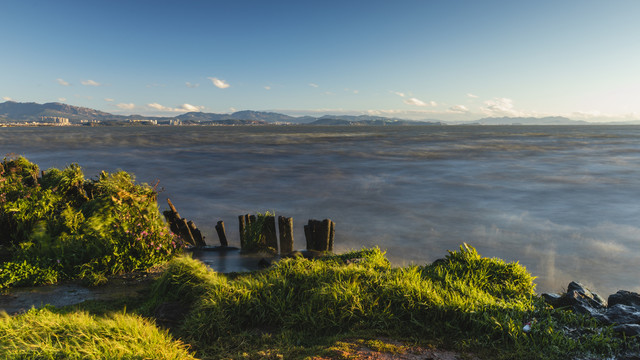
(43, 334)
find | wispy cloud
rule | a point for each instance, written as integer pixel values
(62, 99)
(401, 94)
(219, 83)
(108, 99)
(503, 107)
(190, 85)
(459, 109)
(418, 102)
(6, 98)
(124, 106)
(180, 108)
(267, 87)
(471, 95)
(314, 85)
(155, 85)
(62, 82)
(90, 83)
(189, 108)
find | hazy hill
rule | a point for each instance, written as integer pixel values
(549, 120)
(17, 111)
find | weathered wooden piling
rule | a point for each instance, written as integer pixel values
(269, 232)
(187, 230)
(285, 227)
(320, 235)
(242, 223)
(221, 234)
(197, 235)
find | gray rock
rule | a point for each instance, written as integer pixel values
(627, 329)
(625, 297)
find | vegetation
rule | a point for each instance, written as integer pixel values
(63, 226)
(254, 234)
(45, 334)
(302, 307)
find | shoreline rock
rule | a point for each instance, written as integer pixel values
(622, 309)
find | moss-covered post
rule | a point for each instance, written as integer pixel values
(285, 227)
(221, 234)
(269, 232)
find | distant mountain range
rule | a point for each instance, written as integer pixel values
(12, 111)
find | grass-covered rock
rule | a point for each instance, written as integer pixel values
(58, 225)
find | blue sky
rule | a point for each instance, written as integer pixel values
(447, 60)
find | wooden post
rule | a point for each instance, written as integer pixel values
(332, 235)
(285, 226)
(308, 236)
(269, 232)
(242, 224)
(173, 208)
(197, 235)
(322, 235)
(186, 232)
(221, 234)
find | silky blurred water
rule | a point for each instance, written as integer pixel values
(564, 201)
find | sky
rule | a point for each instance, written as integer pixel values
(449, 60)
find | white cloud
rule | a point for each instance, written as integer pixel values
(90, 83)
(471, 95)
(219, 83)
(62, 82)
(190, 85)
(108, 99)
(189, 108)
(159, 107)
(418, 102)
(62, 99)
(267, 87)
(181, 108)
(459, 109)
(314, 85)
(123, 106)
(401, 94)
(6, 98)
(501, 107)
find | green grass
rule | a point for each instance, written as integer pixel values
(466, 302)
(44, 334)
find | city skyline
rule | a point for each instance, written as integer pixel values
(451, 61)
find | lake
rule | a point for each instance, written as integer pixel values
(562, 200)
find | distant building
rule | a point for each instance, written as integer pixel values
(60, 121)
(144, 121)
(175, 122)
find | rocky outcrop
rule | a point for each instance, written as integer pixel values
(622, 309)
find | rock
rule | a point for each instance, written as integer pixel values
(625, 297)
(620, 314)
(627, 329)
(579, 297)
(264, 263)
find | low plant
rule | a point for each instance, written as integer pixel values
(61, 225)
(254, 234)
